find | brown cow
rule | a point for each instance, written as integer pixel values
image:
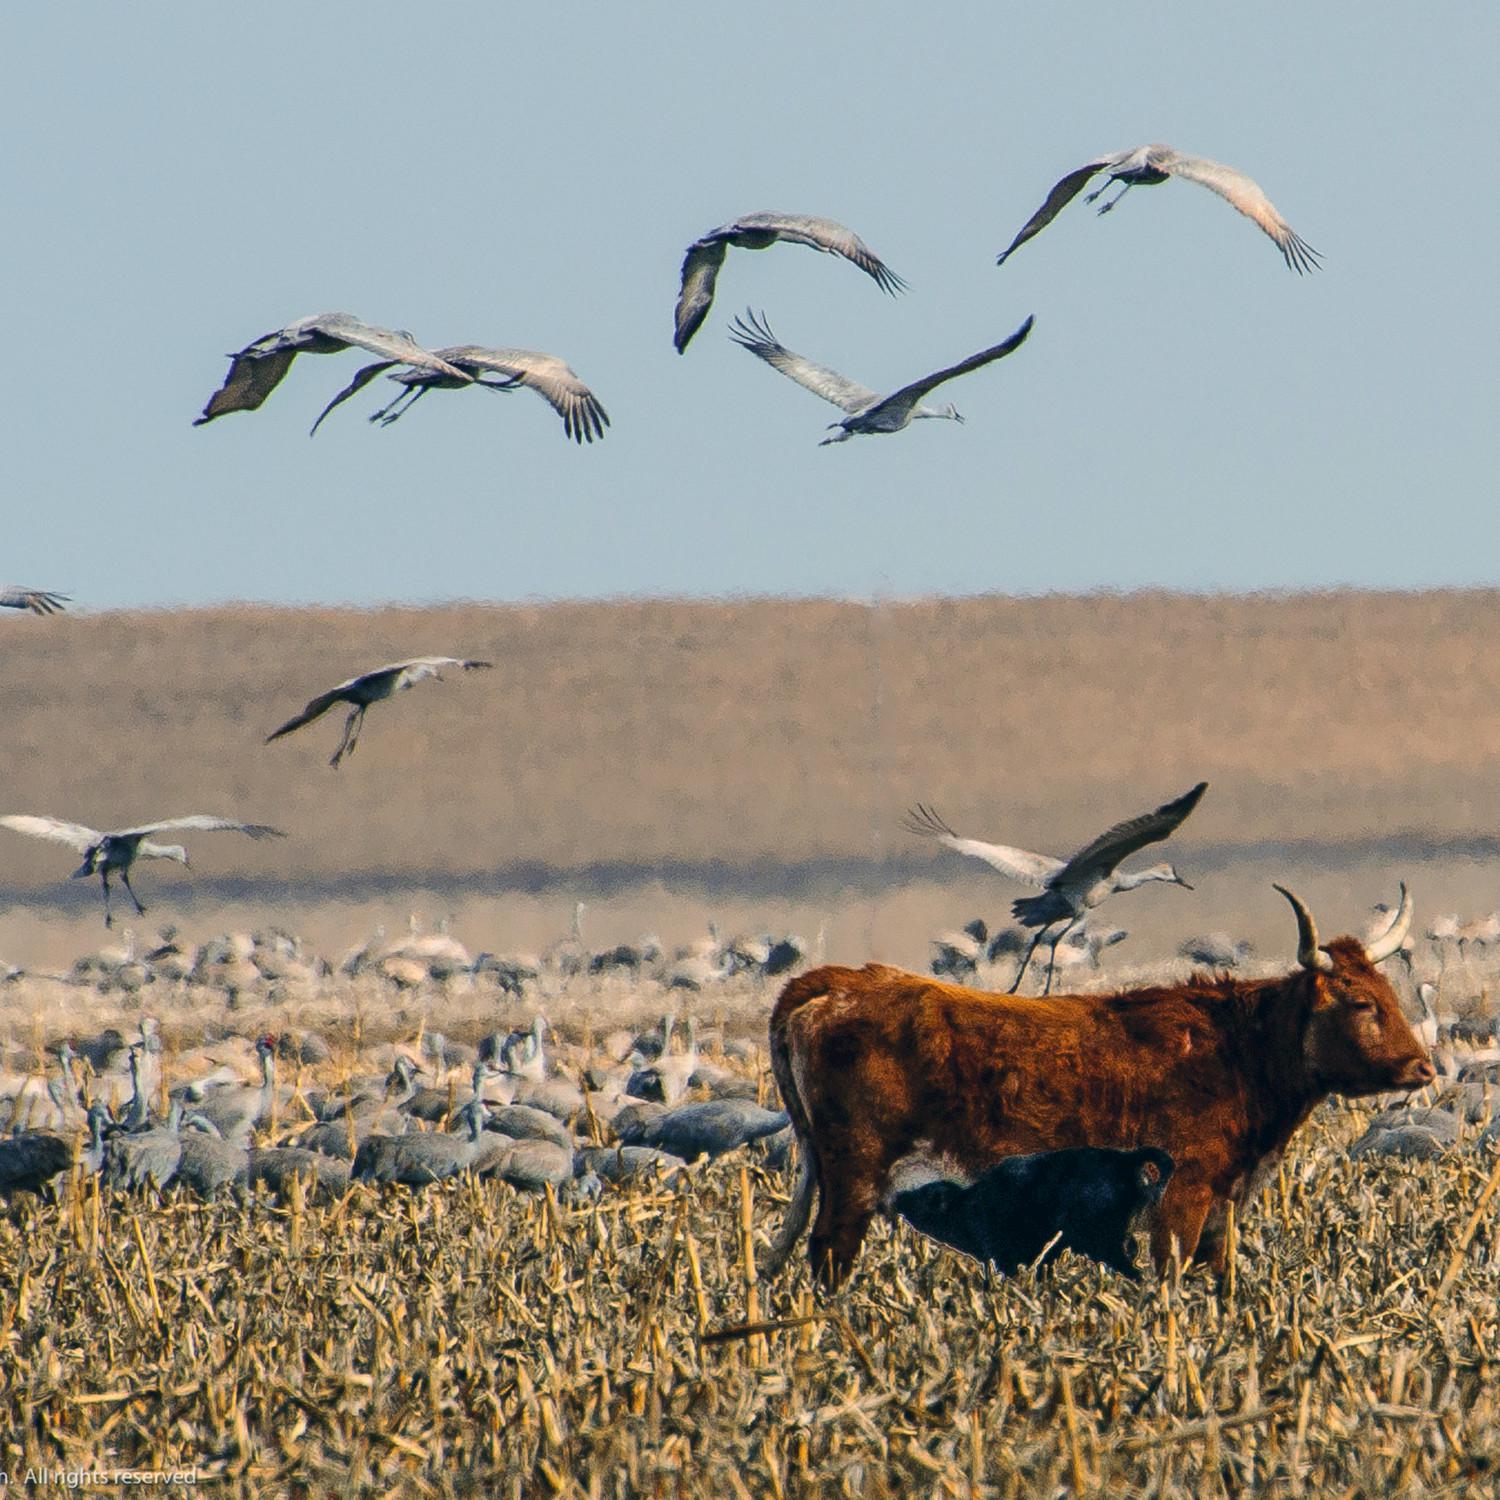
(875, 1063)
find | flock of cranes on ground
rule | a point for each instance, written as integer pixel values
(641, 1108)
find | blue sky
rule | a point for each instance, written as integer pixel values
(1187, 412)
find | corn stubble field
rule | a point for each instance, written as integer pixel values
(470, 1340)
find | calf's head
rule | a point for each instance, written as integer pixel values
(1357, 1041)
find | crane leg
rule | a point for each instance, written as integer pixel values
(1052, 956)
(1104, 208)
(1041, 932)
(351, 733)
(125, 881)
(109, 918)
(388, 413)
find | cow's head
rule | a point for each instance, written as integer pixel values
(1357, 1041)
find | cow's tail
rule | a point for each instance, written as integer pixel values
(802, 990)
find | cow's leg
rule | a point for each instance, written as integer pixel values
(1213, 1242)
(1180, 1217)
(847, 1198)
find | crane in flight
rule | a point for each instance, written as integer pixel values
(1145, 166)
(258, 368)
(700, 267)
(869, 411)
(372, 687)
(113, 853)
(38, 601)
(1071, 888)
(583, 417)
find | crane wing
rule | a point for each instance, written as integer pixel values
(1019, 864)
(314, 710)
(752, 332)
(1245, 194)
(76, 834)
(38, 601)
(205, 823)
(584, 418)
(909, 395)
(429, 666)
(1063, 193)
(1121, 841)
(251, 378)
(700, 270)
(826, 235)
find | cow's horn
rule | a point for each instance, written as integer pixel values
(1309, 955)
(1394, 936)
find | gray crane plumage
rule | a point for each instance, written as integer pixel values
(758, 231)
(372, 687)
(31, 1160)
(235, 1111)
(276, 1166)
(583, 415)
(425, 1157)
(1070, 888)
(1145, 166)
(209, 1164)
(708, 1129)
(868, 411)
(38, 601)
(106, 854)
(257, 369)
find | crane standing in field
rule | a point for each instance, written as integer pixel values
(700, 267)
(584, 418)
(259, 367)
(371, 687)
(106, 854)
(38, 601)
(869, 411)
(1145, 166)
(1070, 888)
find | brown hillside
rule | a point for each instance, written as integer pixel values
(648, 732)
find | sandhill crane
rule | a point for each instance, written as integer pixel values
(624, 1163)
(1144, 166)
(106, 854)
(276, 1166)
(869, 411)
(426, 1157)
(534, 1166)
(524, 1122)
(137, 1160)
(373, 687)
(235, 1112)
(209, 1163)
(1216, 950)
(708, 1129)
(38, 601)
(700, 267)
(583, 416)
(1070, 888)
(258, 368)
(31, 1160)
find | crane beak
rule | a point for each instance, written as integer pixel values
(1180, 881)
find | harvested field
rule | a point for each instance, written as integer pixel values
(467, 1340)
(746, 762)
